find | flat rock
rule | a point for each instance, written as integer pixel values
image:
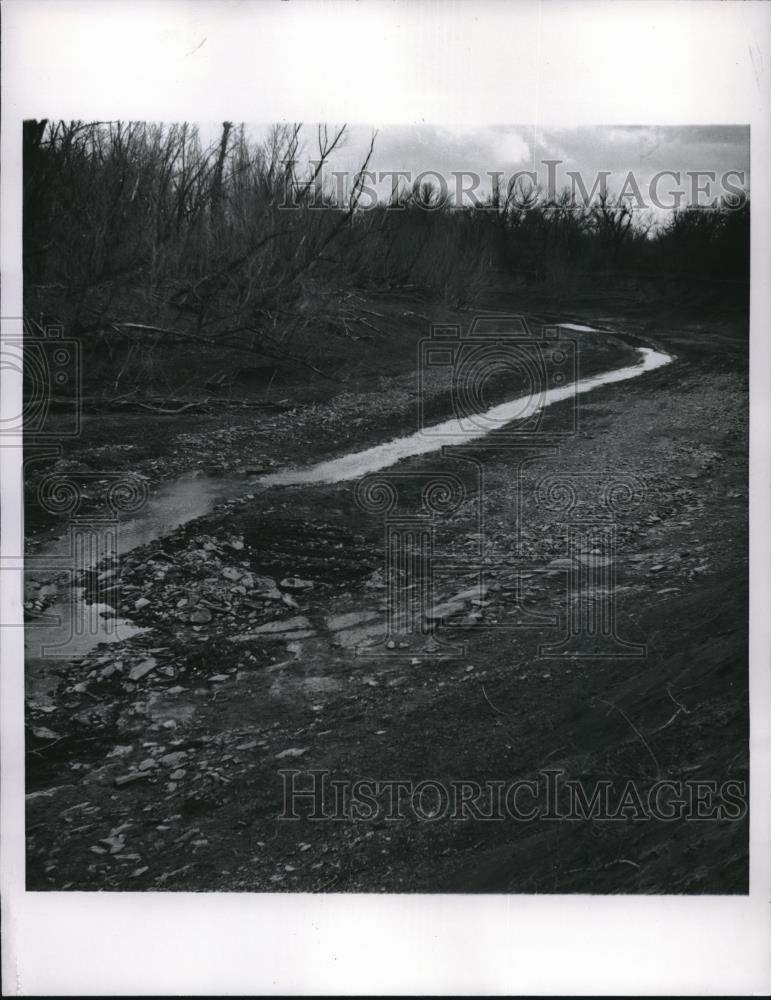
(44, 793)
(477, 592)
(264, 586)
(337, 622)
(561, 564)
(595, 561)
(351, 637)
(445, 610)
(295, 583)
(129, 779)
(298, 623)
(292, 752)
(142, 668)
(44, 733)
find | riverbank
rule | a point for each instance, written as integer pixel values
(160, 767)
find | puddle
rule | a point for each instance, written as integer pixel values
(71, 627)
(579, 327)
(174, 503)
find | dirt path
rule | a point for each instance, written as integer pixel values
(158, 763)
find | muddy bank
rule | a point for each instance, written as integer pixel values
(157, 762)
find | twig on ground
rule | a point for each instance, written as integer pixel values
(498, 710)
(550, 755)
(366, 322)
(681, 710)
(681, 707)
(166, 412)
(640, 736)
(668, 722)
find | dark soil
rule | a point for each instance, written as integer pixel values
(203, 735)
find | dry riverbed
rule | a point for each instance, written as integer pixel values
(156, 763)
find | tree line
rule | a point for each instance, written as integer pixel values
(132, 226)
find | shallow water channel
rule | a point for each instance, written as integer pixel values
(194, 494)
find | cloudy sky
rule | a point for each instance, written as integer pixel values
(643, 150)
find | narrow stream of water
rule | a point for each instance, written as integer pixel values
(193, 495)
(456, 431)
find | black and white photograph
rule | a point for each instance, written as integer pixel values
(385, 510)
(383, 488)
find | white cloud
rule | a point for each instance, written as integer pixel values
(510, 147)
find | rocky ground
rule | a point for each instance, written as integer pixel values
(156, 763)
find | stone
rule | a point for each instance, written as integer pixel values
(299, 622)
(476, 592)
(200, 616)
(43, 733)
(561, 564)
(143, 668)
(292, 752)
(115, 843)
(174, 759)
(295, 583)
(128, 779)
(262, 586)
(249, 745)
(142, 602)
(446, 610)
(365, 634)
(44, 793)
(337, 622)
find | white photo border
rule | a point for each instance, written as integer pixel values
(372, 62)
